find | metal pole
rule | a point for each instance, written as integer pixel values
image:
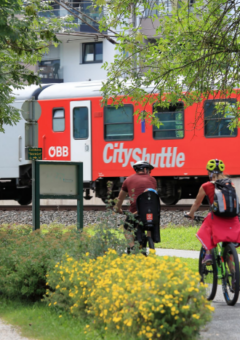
(33, 194)
(80, 201)
(36, 196)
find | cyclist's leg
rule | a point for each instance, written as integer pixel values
(204, 235)
(208, 273)
(132, 231)
(128, 232)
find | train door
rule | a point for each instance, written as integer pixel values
(81, 147)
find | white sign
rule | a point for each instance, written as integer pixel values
(58, 179)
(169, 157)
(58, 151)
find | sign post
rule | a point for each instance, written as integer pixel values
(57, 180)
(31, 112)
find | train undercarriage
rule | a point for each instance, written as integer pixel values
(170, 189)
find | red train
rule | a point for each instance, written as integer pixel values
(73, 126)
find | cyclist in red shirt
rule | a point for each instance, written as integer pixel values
(214, 229)
(135, 185)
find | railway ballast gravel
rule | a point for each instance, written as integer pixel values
(90, 217)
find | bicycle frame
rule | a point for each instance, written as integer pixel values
(218, 255)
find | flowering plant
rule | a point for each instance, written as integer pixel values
(150, 297)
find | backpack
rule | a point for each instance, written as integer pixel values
(225, 203)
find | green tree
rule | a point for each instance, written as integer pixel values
(193, 54)
(24, 38)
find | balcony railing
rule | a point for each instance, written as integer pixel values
(50, 72)
(82, 20)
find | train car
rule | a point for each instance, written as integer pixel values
(75, 127)
(15, 170)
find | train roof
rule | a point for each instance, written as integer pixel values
(75, 90)
(72, 90)
(64, 90)
(25, 92)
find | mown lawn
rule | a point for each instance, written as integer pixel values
(37, 321)
(175, 237)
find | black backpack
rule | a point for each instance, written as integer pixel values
(225, 203)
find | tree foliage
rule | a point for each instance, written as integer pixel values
(193, 54)
(24, 38)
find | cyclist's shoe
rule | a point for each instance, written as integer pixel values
(207, 259)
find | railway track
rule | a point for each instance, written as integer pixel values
(181, 207)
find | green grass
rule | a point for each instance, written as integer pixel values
(37, 321)
(174, 237)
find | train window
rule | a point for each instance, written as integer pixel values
(118, 123)
(172, 122)
(58, 120)
(216, 123)
(80, 122)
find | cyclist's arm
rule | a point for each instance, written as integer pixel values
(121, 197)
(200, 196)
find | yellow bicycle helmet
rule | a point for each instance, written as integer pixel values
(215, 165)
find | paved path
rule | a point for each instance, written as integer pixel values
(8, 332)
(225, 324)
(193, 254)
(178, 253)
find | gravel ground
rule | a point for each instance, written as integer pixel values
(70, 217)
(8, 332)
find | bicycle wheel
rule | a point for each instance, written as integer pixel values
(230, 281)
(208, 275)
(150, 242)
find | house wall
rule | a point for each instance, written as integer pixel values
(71, 61)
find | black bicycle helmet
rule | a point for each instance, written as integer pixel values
(140, 165)
(215, 166)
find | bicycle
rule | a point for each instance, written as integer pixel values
(225, 267)
(140, 234)
(147, 218)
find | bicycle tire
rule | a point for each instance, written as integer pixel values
(150, 242)
(208, 274)
(230, 282)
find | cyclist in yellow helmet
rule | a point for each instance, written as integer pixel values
(214, 229)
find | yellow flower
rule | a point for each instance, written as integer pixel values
(210, 308)
(185, 307)
(195, 316)
(57, 286)
(60, 316)
(55, 303)
(87, 254)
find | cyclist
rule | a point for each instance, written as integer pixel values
(214, 229)
(135, 185)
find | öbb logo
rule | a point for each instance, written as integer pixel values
(58, 151)
(168, 157)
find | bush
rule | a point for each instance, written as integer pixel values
(146, 296)
(26, 256)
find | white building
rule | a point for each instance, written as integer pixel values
(81, 54)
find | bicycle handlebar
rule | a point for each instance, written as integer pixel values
(197, 218)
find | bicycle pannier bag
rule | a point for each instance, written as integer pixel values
(225, 203)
